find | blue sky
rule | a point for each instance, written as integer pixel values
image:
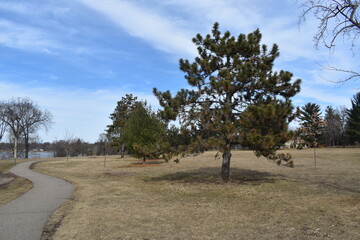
(77, 58)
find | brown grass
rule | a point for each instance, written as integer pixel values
(14, 189)
(5, 165)
(189, 201)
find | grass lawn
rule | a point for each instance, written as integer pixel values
(189, 201)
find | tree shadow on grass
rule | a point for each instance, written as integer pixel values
(349, 187)
(212, 176)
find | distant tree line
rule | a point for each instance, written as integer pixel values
(74, 147)
(61, 148)
(336, 127)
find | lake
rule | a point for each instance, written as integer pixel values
(8, 155)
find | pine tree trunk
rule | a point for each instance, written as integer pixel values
(225, 169)
(122, 151)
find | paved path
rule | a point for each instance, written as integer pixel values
(25, 217)
(5, 180)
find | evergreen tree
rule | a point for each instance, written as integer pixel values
(145, 133)
(119, 117)
(343, 116)
(178, 141)
(312, 124)
(228, 75)
(353, 121)
(332, 128)
(264, 128)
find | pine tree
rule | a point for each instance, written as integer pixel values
(343, 116)
(353, 121)
(228, 75)
(119, 117)
(145, 133)
(312, 125)
(264, 128)
(332, 128)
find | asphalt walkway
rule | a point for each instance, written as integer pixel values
(25, 217)
(5, 180)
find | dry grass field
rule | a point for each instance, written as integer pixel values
(188, 201)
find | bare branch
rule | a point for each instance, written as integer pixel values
(333, 13)
(351, 74)
(336, 18)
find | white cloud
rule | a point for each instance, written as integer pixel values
(83, 113)
(157, 30)
(233, 14)
(173, 32)
(23, 37)
(325, 96)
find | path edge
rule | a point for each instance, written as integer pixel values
(54, 222)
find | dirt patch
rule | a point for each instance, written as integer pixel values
(119, 174)
(56, 219)
(33, 165)
(147, 163)
(6, 178)
(7, 175)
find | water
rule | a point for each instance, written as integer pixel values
(9, 155)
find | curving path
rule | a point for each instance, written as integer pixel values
(25, 217)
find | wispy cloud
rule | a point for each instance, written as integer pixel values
(233, 14)
(42, 27)
(155, 29)
(325, 97)
(23, 37)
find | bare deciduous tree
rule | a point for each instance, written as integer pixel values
(33, 119)
(23, 117)
(69, 141)
(11, 114)
(337, 18)
(3, 128)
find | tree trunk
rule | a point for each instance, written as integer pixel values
(16, 147)
(225, 169)
(122, 151)
(26, 147)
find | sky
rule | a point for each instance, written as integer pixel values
(77, 58)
